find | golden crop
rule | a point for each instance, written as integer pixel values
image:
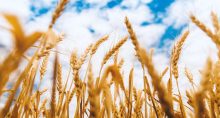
(94, 98)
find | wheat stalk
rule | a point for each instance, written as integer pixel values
(176, 54)
(205, 29)
(58, 11)
(113, 50)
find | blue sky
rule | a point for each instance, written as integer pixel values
(156, 7)
(157, 23)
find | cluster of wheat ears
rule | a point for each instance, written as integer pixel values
(94, 97)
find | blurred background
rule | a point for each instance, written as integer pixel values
(157, 23)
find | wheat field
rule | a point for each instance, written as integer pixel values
(94, 95)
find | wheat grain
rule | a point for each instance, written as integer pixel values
(98, 43)
(58, 11)
(113, 50)
(97, 98)
(176, 54)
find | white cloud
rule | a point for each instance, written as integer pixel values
(179, 11)
(111, 21)
(198, 46)
(20, 8)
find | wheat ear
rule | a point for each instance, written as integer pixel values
(58, 11)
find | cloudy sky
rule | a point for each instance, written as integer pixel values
(158, 23)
